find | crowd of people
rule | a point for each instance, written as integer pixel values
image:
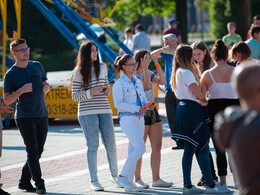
(199, 85)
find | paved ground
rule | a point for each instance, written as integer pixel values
(64, 162)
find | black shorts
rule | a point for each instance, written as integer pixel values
(148, 119)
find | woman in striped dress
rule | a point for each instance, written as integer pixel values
(88, 79)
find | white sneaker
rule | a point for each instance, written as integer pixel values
(133, 188)
(192, 190)
(141, 184)
(223, 187)
(123, 182)
(115, 181)
(96, 186)
(216, 190)
(161, 183)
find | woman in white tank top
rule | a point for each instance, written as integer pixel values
(217, 83)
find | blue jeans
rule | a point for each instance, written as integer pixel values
(92, 125)
(34, 132)
(203, 160)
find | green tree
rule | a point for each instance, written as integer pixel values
(239, 11)
(44, 39)
(220, 15)
(37, 30)
(130, 10)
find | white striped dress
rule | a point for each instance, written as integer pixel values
(96, 104)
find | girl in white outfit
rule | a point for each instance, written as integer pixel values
(129, 99)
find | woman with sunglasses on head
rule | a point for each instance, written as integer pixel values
(153, 124)
(130, 100)
(94, 111)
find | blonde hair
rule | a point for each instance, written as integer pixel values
(182, 58)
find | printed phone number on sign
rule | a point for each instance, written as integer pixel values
(62, 108)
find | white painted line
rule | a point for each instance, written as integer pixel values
(86, 171)
(61, 155)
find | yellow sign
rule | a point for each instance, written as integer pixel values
(61, 105)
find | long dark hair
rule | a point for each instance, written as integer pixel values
(139, 54)
(84, 64)
(207, 59)
(220, 51)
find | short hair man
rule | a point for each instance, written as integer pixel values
(238, 130)
(256, 22)
(141, 39)
(128, 40)
(173, 29)
(254, 43)
(25, 83)
(231, 38)
(167, 53)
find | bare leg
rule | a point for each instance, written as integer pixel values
(155, 136)
(223, 180)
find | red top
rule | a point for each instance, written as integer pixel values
(175, 31)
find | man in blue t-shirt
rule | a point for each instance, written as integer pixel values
(254, 43)
(167, 53)
(25, 83)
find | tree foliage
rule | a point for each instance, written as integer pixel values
(37, 30)
(220, 15)
(130, 10)
(223, 11)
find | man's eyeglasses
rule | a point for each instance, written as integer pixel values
(135, 64)
(23, 50)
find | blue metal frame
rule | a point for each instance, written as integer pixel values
(56, 22)
(82, 26)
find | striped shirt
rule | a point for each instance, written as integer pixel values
(88, 104)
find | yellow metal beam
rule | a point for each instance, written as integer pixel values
(113, 10)
(3, 5)
(18, 9)
(80, 11)
(49, 1)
